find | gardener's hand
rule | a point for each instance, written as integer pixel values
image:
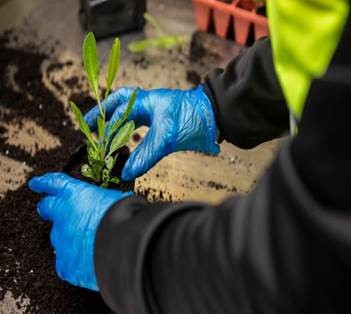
(178, 120)
(75, 209)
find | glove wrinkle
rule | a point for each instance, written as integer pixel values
(177, 119)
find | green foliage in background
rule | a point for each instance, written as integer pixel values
(103, 147)
(162, 41)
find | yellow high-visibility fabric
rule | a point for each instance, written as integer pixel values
(304, 35)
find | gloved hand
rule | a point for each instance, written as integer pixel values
(178, 120)
(75, 209)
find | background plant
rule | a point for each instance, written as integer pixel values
(102, 148)
(163, 40)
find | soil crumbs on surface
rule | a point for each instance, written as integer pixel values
(26, 258)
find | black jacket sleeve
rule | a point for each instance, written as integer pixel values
(277, 250)
(284, 248)
(247, 98)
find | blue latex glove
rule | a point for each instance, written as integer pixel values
(178, 120)
(75, 209)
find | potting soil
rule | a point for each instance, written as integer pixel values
(27, 262)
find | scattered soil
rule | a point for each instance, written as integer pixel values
(26, 257)
(216, 185)
(72, 82)
(193, 77)
(136, 137)
(197, 49)
(220, 186)
(53, 67)
(141, 61)
(154, 195)
(2, 130)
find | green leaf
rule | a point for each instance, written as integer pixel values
(122, 137)
(87, 171)
(109, 162)
(104, 185)
(105, 174)
(126, 113)
(141, 45)
(113, 64)
(91, 63)
(97, 167)
(149, 18)
(167, 42)
(114, 180)
(101, 127)
(162, 42)
(93, 155)
(83, 125)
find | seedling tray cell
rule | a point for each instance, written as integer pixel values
(243, 13)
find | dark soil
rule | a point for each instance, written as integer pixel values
(26, 257)
(72, 82)
(136, 137)
(84, 102)
(2, 130)
(58, 66)
(141, 61)
(220, 186)
(193, 77)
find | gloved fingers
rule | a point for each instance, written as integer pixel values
(46, 207)
(60, 267)
(55, 237)
(50, 183)
(112, 102)
(156, 144)
(138, 114)
(70, 263)
(66, 255)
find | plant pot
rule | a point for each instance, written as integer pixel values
(243, 13)
(79, 157)
(112, 17)
(202, 16)
(247, 5)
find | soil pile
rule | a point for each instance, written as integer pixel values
(26, 257)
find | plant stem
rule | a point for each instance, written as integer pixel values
(102, 140)
(149, 18)
(101, 110)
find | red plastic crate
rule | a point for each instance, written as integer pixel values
(243, 13)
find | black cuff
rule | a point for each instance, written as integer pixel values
(122, 241)
(220, 137)
(247, 100)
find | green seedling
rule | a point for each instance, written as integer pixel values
(103, 147)
(162, 41)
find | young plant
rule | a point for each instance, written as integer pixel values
(102, 148)
(162, 41)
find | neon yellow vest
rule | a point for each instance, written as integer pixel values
(304, 35)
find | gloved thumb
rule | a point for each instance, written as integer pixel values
(157, 144)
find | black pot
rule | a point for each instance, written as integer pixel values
(79, 157)
(112, 17)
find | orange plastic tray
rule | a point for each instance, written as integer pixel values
(222, 13)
